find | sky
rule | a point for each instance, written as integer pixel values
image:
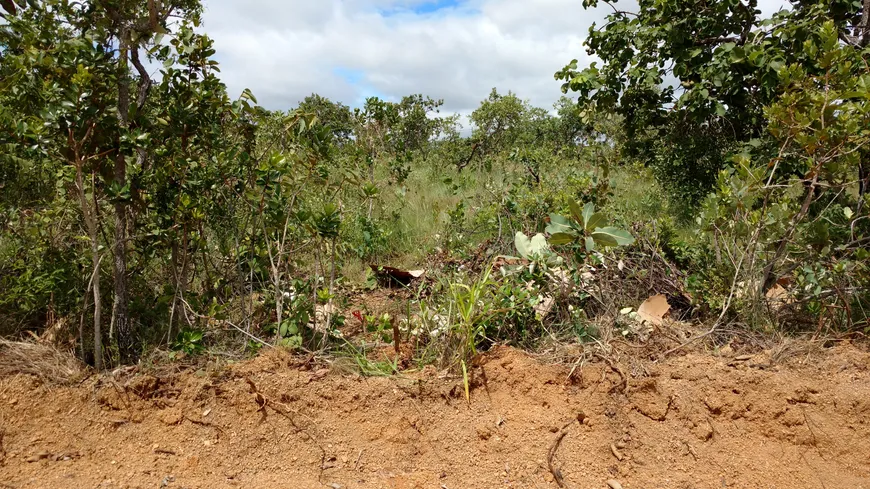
(347, 50)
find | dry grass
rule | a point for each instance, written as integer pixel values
(50, 365)
(799, 350)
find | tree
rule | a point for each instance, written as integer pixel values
(77, 82)
(335, 116)
(498, 121)
(725, 58)
(416, 125)
(60, 78)
(570, 128)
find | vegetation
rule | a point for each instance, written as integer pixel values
(140, 213)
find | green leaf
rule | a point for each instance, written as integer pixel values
(590, 244)
(576, 212)
(596, 221)
(848, 212)
(558, 239)
(523, 244)
(539, 245)
(611, 236)
(604, 239)
(559, 224)
(248, 95)
(529, 248)
(588, 212)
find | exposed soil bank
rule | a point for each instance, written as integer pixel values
(693, 422)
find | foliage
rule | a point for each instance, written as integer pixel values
(189, 341)
(726, 58)
(196, 215)
(588, 225)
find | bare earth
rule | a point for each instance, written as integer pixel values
(695, 421)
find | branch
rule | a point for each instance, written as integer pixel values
(620, 12)
(853, 41)
(719, 39)
(144, 79)
(864, 25)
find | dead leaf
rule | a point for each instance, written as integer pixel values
(391, 275)
(776, 293)
(654, 309)
(777, 296)
(544, 307)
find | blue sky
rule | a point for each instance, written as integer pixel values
(422, 8)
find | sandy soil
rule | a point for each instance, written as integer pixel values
(695, 421)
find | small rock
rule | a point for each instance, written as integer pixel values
(620, 445)
(614, 484)
(336, 486)
(37, 457)
(616, 453)
(171, 416)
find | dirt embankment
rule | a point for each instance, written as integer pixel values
(693, 422)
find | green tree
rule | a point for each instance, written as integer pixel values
(75, 90)
(725, 58)
(335, 116)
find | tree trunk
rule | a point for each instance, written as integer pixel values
(90, 218)
(128, 51)
(120, 317)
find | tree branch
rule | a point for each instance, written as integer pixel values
(144, 78)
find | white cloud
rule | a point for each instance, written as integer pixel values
(285, 50)
(346, 50)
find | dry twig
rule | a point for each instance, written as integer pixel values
(557, 474)
(615, 368)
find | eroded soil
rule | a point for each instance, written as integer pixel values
(695, 421)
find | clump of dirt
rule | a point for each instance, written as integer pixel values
(275, 421)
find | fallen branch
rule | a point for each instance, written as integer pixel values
(264, 403)
(690, 341)
(206, 423)
(557, 474)
(615, 368)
